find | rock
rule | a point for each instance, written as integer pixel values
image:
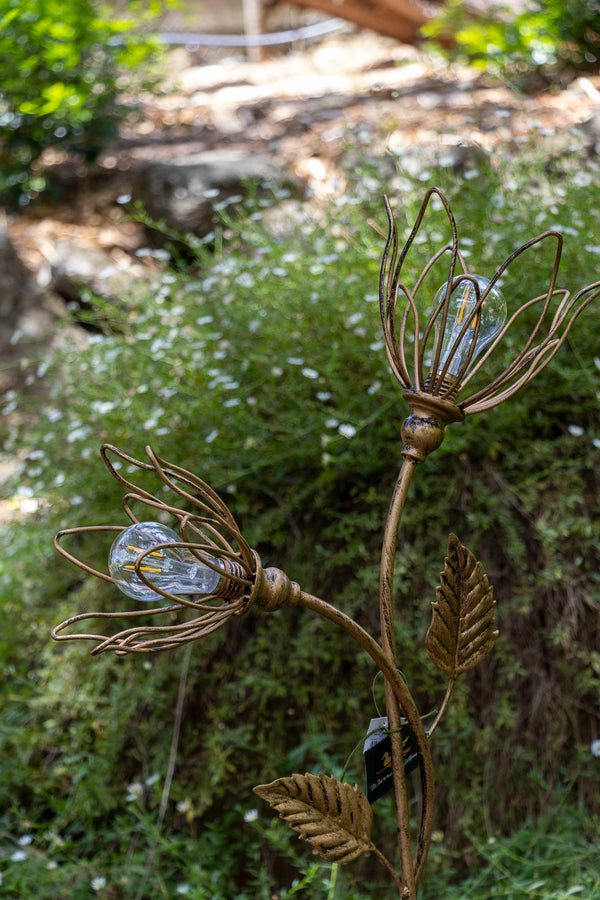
(25, 318)
(80, 275)
(183, 192)
(591, 135)
(461, 158)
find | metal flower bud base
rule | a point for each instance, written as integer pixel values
(434, 361)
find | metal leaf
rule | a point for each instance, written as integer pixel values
(333, 817)
(462, 632)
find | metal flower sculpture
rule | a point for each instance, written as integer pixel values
(208, 573)
(466, 325)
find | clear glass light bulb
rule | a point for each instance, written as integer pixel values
(175, 570)
(462, 301)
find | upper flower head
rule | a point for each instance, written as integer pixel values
(436, 359)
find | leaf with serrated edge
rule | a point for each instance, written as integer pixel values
(462, 632)
(333, 817)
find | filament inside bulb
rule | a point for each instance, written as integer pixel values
(172, 569)
(483, 328)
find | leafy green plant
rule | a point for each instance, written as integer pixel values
(552, 859)
(263, 370)
(547, 37)
(63, 70)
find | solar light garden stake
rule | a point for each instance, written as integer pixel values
(205, 573)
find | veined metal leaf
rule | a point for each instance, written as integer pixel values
(462, 632)
(333, 817)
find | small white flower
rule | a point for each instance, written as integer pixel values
(182, 889)
(323, 396)
(596, 443)
(347, 431)
(211, 437)
(98, 883)
(354, 319)
(595, 747)
(152, 779)
(251, 815)
(102, 407)
(18, 856)
(331, 423)
(310, 373)
(25, 839)
(576, 430)
(295, 361)
(134, 790)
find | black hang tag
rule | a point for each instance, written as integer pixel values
(378, 757)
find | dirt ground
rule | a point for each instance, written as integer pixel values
(305, 105)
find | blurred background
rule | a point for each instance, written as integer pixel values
(190, 239)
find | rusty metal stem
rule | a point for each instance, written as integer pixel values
(442, 708)
(388, 642)
(401, 693)
(384, 861)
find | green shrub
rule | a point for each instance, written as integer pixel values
(548, 37)
(264, 371)
(63, 69)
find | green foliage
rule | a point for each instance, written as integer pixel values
(547, 37)
(553, 859)
(63, 67)
(263, 370)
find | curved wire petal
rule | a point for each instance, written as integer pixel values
(210, 534)
(540, 346)
(390, 286)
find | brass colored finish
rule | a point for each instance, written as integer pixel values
(209, 533)
(406, 335)
(462, 631)
(329, 814)
(335, 818)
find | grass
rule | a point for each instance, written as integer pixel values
(262, 368)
